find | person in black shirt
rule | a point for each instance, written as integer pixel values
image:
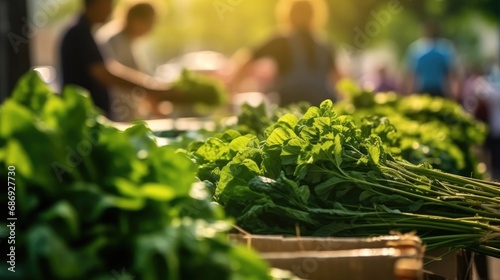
(84, 65)
(305, 65)
(78, 53)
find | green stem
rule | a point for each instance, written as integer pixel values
(422, 197)
(453, 178)
(471, 190)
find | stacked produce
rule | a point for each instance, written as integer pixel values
(325, 175)
(92, 201)
(429, 129)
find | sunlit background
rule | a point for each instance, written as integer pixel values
(366, 34)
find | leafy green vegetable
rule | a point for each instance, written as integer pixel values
(208, 92)
(91, 199)
(419, 129)
(329, 176)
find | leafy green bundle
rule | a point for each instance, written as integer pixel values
(429, 129)
(330, 177)
(92, 201)
(422, 129)
(207, 92)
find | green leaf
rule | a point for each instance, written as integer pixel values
(122, 203)
(235, 174)
(163, 243)
(338, 151)
(415, 206)
(172, 169)
(279, 136)
(157, 192)
(64, 211)
(387, 209)
(271, 164)
(46, 246)
(374, 153)
(228, 135)
(239, 143)
(312, 113)
(142, 138)
(366, 196)
(24, 119)
(54, 113)
(326, 187)
(17, 156)
(31, 92)
(212, 150)
(301, 192)
(126, 187)
(3, 154)
(288, 120)
(292, 150)
(323, 125)
(78, 112)
(326, 109)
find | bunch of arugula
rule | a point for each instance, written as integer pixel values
(92, 200)
(323, 174)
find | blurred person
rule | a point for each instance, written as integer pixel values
(493, 140)
(305, 64)
(84, 65)
(474, 93)
(431, 61)
(137, 22)
(384, 81)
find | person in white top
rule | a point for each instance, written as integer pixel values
(139, 20)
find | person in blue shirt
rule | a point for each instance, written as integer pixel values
(84, 65)
(430, 62)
